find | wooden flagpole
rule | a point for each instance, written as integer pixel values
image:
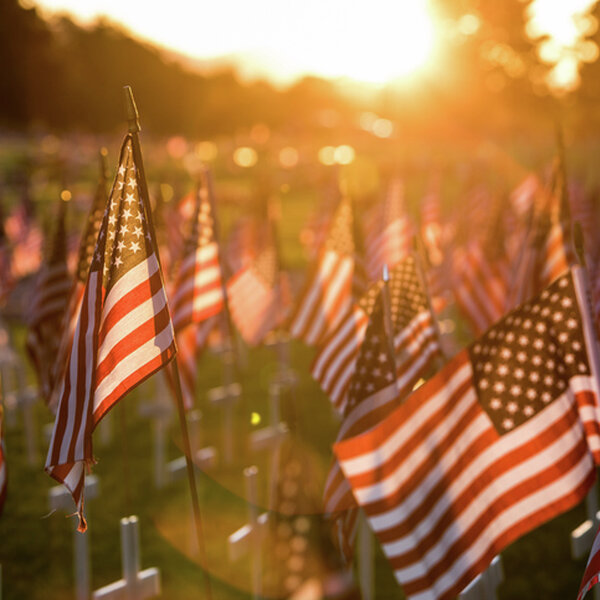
(134, 129)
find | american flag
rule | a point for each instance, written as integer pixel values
(432, 246)
(375, 388)
(314, 232)
(583, 206)
(3, 476)
(591, 576)
(431, 222)
(49, 307)
(548, 251)
(480, 285)
(327, 294)
(124, 332)
(334, 364)
(504, 438)
(258, 296)
(198, 294)
(523, 197)
(243, 242)
(25, 236)
(87, 245)
(171, 222)
(390, 238)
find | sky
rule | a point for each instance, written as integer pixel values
(372, 41)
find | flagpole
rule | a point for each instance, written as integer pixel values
(206, 180)
(134, 129)
(387, 318)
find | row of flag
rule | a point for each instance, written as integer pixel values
(501, 439)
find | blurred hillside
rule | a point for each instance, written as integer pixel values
(60, 76)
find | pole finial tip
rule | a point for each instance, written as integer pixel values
(133, 117)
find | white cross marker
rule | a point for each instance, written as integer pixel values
(17, 395)
(248, 539)
(203, 458)
(484, 586)
(135, 584)
(59, 498)
(280, 340)
(582, 537)
(160, 410)
(226, 396)
(270, 438)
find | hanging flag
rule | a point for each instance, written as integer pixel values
(503, 439)
(480, 285)
(548, 248)
(243, 242)
(334, 364)
(49, 306)
(25, 236)
(124, 333)
(389, 237)
(258, 296)
(87, 246)
(380, 381)
(327, 294)
(314, 232)
(198, 293)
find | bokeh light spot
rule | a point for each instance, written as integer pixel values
(244, 156)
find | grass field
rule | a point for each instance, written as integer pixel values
(36, 547)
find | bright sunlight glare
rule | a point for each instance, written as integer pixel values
(562, 28)
(375, 41)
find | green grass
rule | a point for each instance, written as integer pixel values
(36, 548)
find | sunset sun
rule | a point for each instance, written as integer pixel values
(373, 43)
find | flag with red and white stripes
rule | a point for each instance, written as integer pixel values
(87, 245)
(523, 197)
(503, 439)
(243, 242)
(26, 239)
(172, 225)
(480, 285)
(258, 296)
(48, 309)
(124, 333)
(591, 575)
(376, 388)
(390, 236)
(327, 294)
(3, 475)
(198, 294)
(334, 364)
(548, 248)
